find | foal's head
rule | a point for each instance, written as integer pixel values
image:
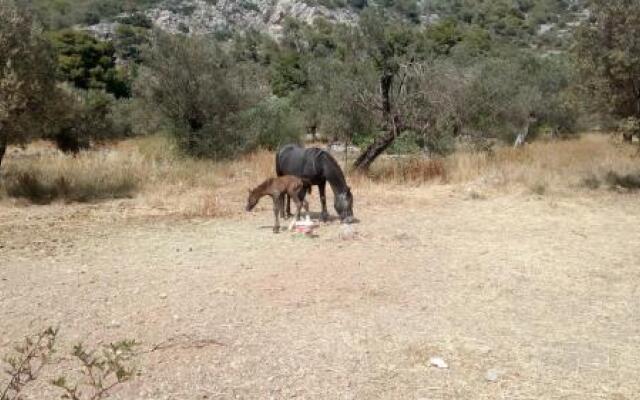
(252, 200)
(257, 193)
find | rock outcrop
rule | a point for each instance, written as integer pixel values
(267, 16)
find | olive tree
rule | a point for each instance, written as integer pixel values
(27, 76)
(200, 93)
(608, 54)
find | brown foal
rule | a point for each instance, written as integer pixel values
(291, 185)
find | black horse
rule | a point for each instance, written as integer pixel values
(318, 167)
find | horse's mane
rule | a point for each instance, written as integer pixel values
(336, 170)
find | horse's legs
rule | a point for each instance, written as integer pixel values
(302, 193)
(296, 199)
(305, 204)
(323, 199)
(276, 212)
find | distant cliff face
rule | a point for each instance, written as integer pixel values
(208, 16)
(198, 17)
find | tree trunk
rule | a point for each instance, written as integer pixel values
(385, 90)
(346, 153)
(522, 136)
(3, 144)
(368, 156)
(382, 142)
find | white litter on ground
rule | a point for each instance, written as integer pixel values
(438, 362)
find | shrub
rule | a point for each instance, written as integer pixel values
(97, 374)
(217, 139)
(89, 63)
(407, 143)
(591, 182)
(625, 181)
(272, 123)
(88, 114)
(629, 127)
(192, 84)
(27, 185)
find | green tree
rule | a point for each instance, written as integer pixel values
(86, 116)
(388, 44)
(27, 77)
(607, 51)
(192, 83)
(516, 94)
(88, 63)
(130, 41)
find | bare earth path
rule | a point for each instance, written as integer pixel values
(543, 289)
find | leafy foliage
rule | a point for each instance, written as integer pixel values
(192, 84)
(475, 70)
(608, 57)
(88, 63)
(31, 356)
(27, 80)
(101, 371)
(59, 14)
(271, 123)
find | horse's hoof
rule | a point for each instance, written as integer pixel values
(324, 217)
(276, 230)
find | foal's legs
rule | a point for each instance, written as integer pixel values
(288, 212)
(276, 212)
(323, 199)
(282, 205)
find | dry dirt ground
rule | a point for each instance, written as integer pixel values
(543, 290)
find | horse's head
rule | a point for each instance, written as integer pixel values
(252, 200)
(343, 204)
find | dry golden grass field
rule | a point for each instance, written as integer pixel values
(521, 264)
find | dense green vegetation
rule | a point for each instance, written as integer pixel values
(477, 70)
(58, 14)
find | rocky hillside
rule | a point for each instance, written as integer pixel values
(200, 16)
(223, 16)
(542, 22)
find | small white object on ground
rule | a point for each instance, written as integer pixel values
(494, 374)
(347, 232)
(305, 226)
(438, 362)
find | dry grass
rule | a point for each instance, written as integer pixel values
(87, 177)
(408, 170)
(151, 168)
(557, 166)
(538, 289)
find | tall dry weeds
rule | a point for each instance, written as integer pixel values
(151, 169)
(558, 165)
